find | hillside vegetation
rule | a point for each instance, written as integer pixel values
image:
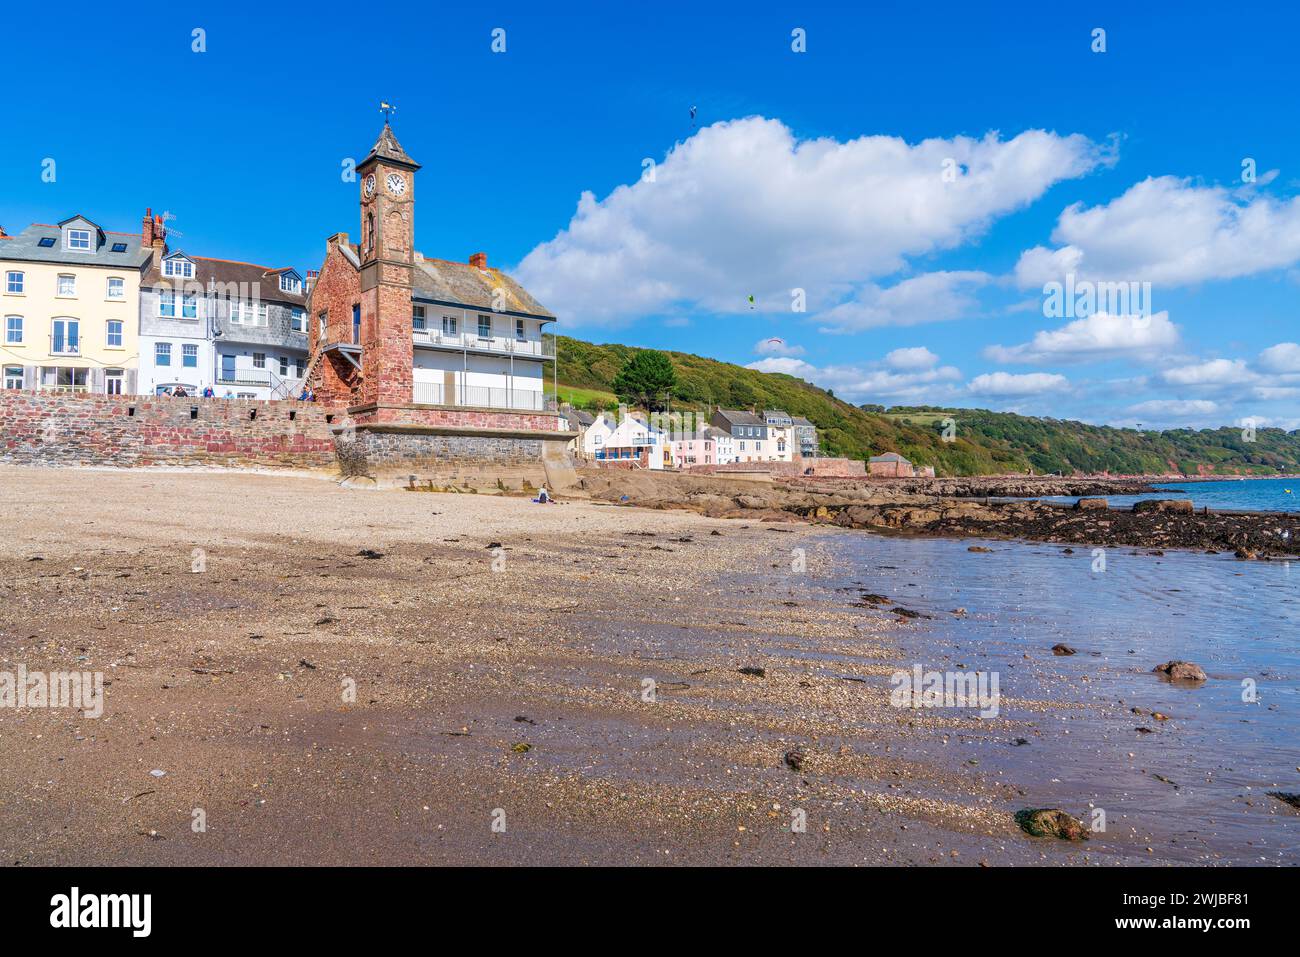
(983, 443)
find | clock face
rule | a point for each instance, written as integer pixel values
(396, 183)
(370, 185)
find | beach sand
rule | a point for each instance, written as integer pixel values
(501, 714)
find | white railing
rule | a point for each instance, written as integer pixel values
(540, 348)
(483, 397)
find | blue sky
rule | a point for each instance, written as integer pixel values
(821, 171)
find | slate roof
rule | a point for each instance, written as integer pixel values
(388, 149)
(460, 284)
(230, 271)
(800, 420)
(738, 417)
(714, 432)
(23, 247)
(586, 418)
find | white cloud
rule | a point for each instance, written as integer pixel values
(1175, 408)
(744, 208)
(930, 297)
(1168, 231)
(916, 357)
(1283, 358)
(1214, 372)
(1099, 336)
(789, 366)
(775, 346)
(870, 382)
(1007, 384)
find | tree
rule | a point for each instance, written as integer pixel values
(646, 379)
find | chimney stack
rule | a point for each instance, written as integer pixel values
(146, 230)
(478, 260)
(159, 233)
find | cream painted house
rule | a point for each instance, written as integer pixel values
(70, 304)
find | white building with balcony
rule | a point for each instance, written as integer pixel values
(478, 338)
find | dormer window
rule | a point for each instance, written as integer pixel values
(78, 240)
(290, 283)
(179, 267)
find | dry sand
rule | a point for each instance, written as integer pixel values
(482, 695)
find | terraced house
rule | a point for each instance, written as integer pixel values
(237, 327)
(70, 301)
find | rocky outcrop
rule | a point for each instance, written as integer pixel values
(1051, 822)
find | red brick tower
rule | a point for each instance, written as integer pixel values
(386, 251)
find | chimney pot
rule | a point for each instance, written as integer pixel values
(478, 260)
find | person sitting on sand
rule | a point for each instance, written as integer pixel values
(543, 497)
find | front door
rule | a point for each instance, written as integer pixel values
(227, 368)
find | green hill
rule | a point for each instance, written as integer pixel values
(984, 442)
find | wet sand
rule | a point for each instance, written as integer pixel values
(482, 696)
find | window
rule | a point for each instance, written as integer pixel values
(45, 242)
(13, 377)
(67, 285)
(298, 321)
(484, 327)
(299, 367)
(116, 288)
(742, 445)
(66, 337)
(113, 337)
(119, 247)
(290, 283)
(162, 354)
(519, 329)
(448, 325)
(15, 282)
(79, 239)
(259, 360)
(248, 313)
(284, 367)
(321, 326)
(14, 330)
(417, 318)
(167, 303)
(113, 381)
(179, 267)
(356, 324)
(190, 356)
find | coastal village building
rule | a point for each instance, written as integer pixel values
(747, 429)
(390, 327)
(596, 436)
(697, 448)
(724, 446)
(889, 465)
(780, 428)
(805, 438)
(636, 441)
(70, 301)
(237, 327)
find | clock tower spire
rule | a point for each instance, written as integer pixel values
(387, 254)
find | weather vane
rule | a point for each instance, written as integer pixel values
(387, 109)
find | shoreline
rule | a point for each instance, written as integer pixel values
(944, 508)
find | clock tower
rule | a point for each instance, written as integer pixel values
(387, 254)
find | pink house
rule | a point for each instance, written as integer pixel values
(694, 449)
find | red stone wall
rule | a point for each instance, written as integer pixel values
(337, 289)
(48, 428)
(467, 418)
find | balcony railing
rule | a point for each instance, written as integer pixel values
(65, 345)
(503, 345)
(262, 378)
(484, 397)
